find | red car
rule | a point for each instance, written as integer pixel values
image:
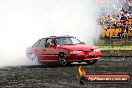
(63, 50)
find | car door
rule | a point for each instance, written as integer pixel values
(50, 53)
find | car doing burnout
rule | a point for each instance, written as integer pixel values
(63, 50)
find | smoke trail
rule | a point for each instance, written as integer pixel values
(23, 22)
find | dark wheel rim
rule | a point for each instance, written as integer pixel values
(62, 60)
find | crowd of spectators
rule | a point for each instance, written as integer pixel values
(122, 20)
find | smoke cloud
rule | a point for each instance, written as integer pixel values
(23, 22)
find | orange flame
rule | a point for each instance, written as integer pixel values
(81, 71)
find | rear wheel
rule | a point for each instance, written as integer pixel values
(62, 59)
(91, 62)
(34, 58)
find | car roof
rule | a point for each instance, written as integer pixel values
(64, 36)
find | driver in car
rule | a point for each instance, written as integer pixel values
(64, 42)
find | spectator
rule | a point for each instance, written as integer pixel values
(123, 19)
(130, 15)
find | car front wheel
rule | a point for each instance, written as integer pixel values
(62, 59)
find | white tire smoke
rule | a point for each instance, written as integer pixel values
(23, 22)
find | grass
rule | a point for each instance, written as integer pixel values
(115, 47)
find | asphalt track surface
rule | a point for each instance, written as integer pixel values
(53, 76)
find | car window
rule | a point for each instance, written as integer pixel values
(74, 41)
(49, 41)
(40, 43)
(67, 40)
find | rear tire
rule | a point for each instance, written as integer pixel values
(91, 62)
(34, 58)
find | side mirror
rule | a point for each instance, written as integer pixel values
(52, 45)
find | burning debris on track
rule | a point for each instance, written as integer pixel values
(63, 77)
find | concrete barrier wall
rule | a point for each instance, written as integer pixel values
(114, 42)
(117, 53)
